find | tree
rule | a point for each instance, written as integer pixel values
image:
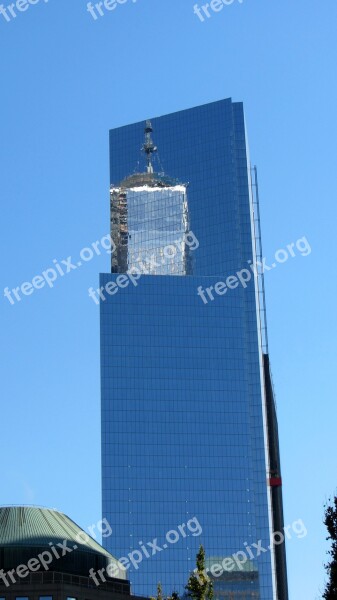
(159, 593)
(174, 596)
(330, 521)
(199, 586)
(160, 596)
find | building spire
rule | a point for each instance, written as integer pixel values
(149, 147)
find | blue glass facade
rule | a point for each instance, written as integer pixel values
(183, 419)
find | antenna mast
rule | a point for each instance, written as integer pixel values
(149, 147)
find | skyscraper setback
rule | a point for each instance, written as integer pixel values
(189, 427)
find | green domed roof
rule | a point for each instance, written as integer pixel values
(30, 527)
(25, 525)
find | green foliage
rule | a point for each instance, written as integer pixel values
(199, 586)
(330, 521)
(175, 596)
(159, 593)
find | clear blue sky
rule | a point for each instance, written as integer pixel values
(66, 79)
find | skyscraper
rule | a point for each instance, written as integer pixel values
(189, 431)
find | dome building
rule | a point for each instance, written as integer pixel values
(44, 555)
